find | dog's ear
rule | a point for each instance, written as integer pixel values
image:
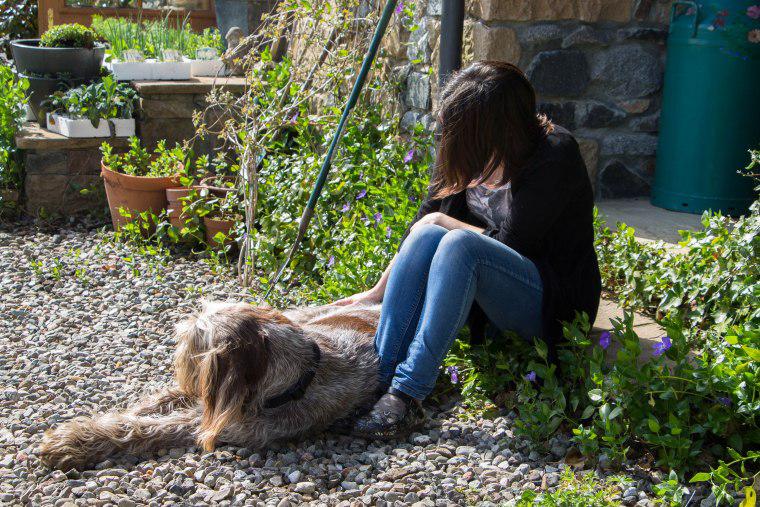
(229, 373)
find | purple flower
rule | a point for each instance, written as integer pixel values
(453, 372)
(409, 156)
(388, 232)
(604, 340)
(663, 346)
(399, 7)
(753, 11)
(294, 119)
(361, 194)
(331, 261)
(724, 400)
(378, 218)
(365, 219)
(531, 376)
(346, 207)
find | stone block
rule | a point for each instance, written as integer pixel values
(584, 36)
(561, 113)
(649, 123)
(618, 181)
(541, 34)
(615, 10)
(642, 33)
(563, 73)
(629, 144)
(635, 106)
(554, 9)
(173, 130)
(84, 161)
(590, 152)
(176, 106)
(434, 7)
(395, 42)
(410, 119)
(500, 10)
(495, 43)
(417, 49)
(61, 194)
(593, 114)
(418, 90)
(46, 162)
(628, 72)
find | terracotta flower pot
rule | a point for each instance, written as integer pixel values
(215, 225)
(135, 193)
(175, 198)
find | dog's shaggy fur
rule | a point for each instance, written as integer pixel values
(229, 360)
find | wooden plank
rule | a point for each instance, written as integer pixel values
(196, 85)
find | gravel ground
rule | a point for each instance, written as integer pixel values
(80, 332)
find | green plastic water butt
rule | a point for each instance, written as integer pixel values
(711, 107)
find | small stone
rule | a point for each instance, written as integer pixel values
(305, 488)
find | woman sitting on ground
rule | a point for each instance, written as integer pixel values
(506, 237)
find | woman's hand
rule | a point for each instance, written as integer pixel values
(437, 218)
(447, 222)
(368, 297)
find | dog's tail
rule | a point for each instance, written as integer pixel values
(85, 441)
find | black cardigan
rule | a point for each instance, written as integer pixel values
(551, 223)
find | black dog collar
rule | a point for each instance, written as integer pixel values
(298, 389)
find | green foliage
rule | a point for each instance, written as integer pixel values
(12, 100)
(371, 196)
(18, 20)
(696, 402)
(69, 36)
(137, 161)
(153, 37)
(580, 491)
(102, 100)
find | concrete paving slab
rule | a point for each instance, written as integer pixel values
(648, 331)
(650, 222)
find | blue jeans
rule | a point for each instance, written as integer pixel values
(432, 285)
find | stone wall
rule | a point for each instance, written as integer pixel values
(62, 176)
(597, 66)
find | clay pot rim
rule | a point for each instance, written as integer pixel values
(214, 188)
(139, 182)
(180, 190)
(208, 218)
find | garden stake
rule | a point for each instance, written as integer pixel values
(308, 212)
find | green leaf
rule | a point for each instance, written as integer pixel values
(595, 395)
(701, 477)
(654, 426)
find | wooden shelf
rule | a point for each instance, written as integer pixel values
(196, 85)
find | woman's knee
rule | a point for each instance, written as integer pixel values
(426, 235)
(459, 242)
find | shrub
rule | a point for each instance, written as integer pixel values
(137, 161)
(69, 36)
(18, 20)
(12, 100)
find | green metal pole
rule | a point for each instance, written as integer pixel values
(308, 212)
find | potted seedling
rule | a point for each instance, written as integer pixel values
(220, 222)
(151, 50)
(102, 109)
(204, 53)
(136, 181)
(65, 56)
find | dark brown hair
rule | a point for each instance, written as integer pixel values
(487, 120)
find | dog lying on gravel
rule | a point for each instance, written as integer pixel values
(245, 376)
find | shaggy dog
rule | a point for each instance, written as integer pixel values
(245, 376)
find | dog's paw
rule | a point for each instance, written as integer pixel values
(64, 447)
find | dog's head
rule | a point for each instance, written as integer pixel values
(222, 355)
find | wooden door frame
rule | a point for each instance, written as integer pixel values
(199, 19)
